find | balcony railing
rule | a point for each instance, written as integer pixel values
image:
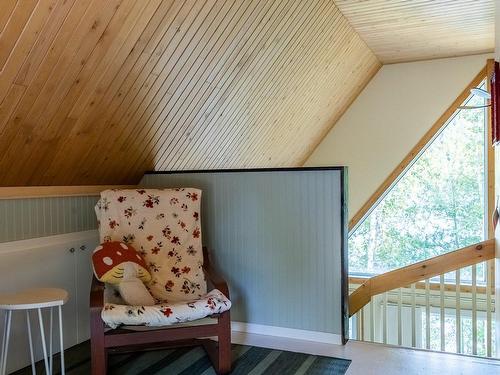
(419, 306)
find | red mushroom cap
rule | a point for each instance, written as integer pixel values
(108, 259)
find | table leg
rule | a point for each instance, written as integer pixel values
(4, 336)
(28, 324)
(5, 342)
(50, 342)
(44, 347)
(61, 344)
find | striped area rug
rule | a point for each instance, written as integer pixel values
(193, 360)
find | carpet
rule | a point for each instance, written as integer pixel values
(247, 360)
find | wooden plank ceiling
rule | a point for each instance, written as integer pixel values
(97, 92)
(402, 30)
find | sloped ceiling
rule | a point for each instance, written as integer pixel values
(402, 30)
(97, 92)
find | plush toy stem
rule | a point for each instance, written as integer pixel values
(132, 290)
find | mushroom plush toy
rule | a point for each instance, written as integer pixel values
(119, 264)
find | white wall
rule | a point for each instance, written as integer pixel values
(389, 117)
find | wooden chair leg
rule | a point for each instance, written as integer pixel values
(224, 353)
(220, 352)
(98, 351)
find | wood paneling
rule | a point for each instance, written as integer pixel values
(97, 92)
(402, 30)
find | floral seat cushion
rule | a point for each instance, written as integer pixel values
(164, 314)
(164, 226)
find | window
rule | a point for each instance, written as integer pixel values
(436, 206)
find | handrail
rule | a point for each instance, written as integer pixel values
(425, 269)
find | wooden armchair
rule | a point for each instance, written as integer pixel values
(126, 339)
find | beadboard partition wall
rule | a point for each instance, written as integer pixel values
(279, 238)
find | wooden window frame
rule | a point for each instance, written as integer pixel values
(375, 198)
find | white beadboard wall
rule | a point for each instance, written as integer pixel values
(21, 219)
(276, 237)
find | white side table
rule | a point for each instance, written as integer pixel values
(27, 300)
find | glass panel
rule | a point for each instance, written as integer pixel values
(435, 207)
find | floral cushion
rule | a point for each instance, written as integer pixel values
(164, 227)
(165, 314)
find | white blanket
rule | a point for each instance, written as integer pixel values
(165, 314)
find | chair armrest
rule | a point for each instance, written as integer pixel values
(96, 294)
(216, 280)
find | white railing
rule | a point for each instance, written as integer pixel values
(450, 312)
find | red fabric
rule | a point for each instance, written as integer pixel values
(111, 254)
(495, 104)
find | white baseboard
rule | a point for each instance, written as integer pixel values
(281, 338)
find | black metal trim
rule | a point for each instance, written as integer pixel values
(284, 169)
(343, 231)
(344, 255)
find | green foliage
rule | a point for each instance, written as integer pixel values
(437, 206)
(450, 333)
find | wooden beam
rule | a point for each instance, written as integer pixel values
(428, 136)
(490, 154)
(22, 192)
(423, 270)
(490, 160)
(359, 298)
